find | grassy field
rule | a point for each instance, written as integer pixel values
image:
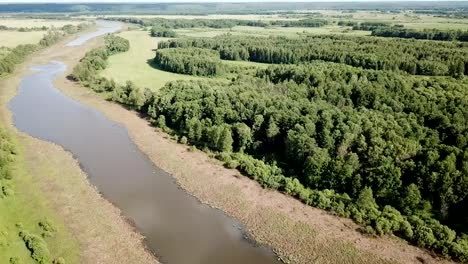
(14, 38)
(18, 22)
(259, 31)
(26, 208)
(134, 64)
(407, 19)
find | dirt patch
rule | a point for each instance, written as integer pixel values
(103, 234)
(299, 233)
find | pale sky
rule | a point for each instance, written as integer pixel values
(204, 1)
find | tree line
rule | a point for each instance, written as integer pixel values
(415, 57)
(158, 31)
(369, 26)
(428, 34)
(385, 148)
(23, 29)
(193, 61)
(69, 28)
(218, 23)
(20, 52)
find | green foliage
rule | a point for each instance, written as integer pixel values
(19, 53)
(383, 147)
(37, 246)
(191, 61)
(14, 57)
(59, 260)
(414, 57)
(162, 26)
(157, 31)
(115, 44)
(47, 227)
(15, 260)
(183, 140)
(429, 34)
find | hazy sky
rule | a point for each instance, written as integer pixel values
(185, 1)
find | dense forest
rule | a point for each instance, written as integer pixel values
(193, 61)
(414, 57)
(218, 23)
(385, 148)
(429, 34)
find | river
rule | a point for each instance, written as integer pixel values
(178, 228)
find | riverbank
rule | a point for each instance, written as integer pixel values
(298, 233)
(102, 234)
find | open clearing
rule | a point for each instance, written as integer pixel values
(134, 64)
(12, 39)
(260, 31)
(18, 23)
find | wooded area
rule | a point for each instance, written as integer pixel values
(218, 23)
(415, 57)
(383, 147)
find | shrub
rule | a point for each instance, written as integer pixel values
(15, 260)
(37, 246)
(183, 140)
(59, 260)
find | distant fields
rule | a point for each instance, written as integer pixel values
(224, 16)
(13, 38)
(19, 22)
(133, 65)
(268, 31)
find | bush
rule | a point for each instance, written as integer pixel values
(231, 164)
(37, 246)
(183, 140)
(47, 227)
(15, 260)
(59, 260)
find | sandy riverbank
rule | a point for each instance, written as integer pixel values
(103, 235)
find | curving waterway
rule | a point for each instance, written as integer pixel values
(178, 228)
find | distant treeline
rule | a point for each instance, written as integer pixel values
(23, 29)
(68, 28)
(219, 23)
(428, 34)
(19, 53)
(414, 57)
(459, 13)
(386, 149)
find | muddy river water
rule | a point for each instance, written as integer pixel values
(178, 228)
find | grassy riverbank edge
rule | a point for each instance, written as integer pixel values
(298, 233)
(95, 229)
